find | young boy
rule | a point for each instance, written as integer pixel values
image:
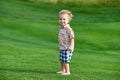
(66, 41)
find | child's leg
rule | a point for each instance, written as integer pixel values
(67, 68)
(67, 71)
(63, 67)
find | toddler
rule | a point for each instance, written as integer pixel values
(66, 41)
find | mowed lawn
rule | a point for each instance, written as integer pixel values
(28, 42)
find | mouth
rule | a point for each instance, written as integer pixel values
(62, 23)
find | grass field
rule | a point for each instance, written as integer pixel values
(28, 41)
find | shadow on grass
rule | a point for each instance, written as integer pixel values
(29, 71)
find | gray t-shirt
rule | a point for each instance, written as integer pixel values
(65, 34)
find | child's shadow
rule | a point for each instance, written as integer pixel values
(22, 70)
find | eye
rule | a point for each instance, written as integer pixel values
(60, 19)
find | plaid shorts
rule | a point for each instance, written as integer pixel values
(65, 56)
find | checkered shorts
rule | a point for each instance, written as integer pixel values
(65, 56)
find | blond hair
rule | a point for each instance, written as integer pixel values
(66, 12)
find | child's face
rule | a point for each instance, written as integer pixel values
(64, 19)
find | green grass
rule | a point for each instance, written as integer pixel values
(81, 2)
(28, 41)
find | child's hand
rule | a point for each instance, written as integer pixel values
(69, 49)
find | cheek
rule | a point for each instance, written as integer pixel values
(67, 21)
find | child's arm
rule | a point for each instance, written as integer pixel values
(71, 44)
